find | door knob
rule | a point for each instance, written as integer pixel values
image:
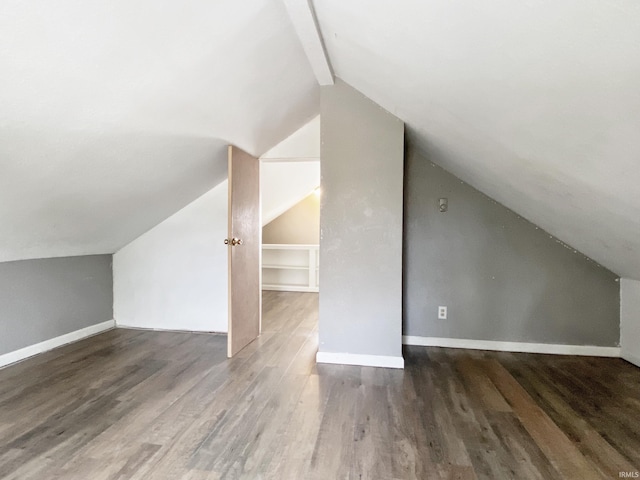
(234, 241)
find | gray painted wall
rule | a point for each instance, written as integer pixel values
(500, 276)
(361, 225)
(45, 298)
(630, 320)
(298, 225)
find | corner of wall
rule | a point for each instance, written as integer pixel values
(360, 308)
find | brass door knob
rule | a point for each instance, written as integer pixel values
(234, 241)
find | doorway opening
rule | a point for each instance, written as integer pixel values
(286, 270)
(290, 270)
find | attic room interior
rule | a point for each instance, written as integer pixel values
(304, 239)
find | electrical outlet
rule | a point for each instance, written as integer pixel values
(442, 313)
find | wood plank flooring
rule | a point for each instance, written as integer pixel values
(130, 404)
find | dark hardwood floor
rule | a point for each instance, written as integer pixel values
(130, 404)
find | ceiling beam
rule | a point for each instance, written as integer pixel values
(304, 21)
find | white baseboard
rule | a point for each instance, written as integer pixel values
(635, 359)
(31, 350)
(363, 360)
(549, 348)
(168, 330)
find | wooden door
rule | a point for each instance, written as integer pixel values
(244, 248)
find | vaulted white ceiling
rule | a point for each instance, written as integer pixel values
(535, 102)
(115, 114)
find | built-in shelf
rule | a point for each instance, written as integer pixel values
(289, 267)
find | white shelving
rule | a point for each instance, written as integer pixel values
(288, 267)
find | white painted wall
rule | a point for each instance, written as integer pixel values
(284, 184)
(630, 320)
(175, 275)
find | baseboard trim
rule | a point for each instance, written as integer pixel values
(521, 347)
(31, 350)
(634, 359)
(362, 360)
(168, 330)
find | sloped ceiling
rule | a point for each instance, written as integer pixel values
(115, 114)
(535, 103)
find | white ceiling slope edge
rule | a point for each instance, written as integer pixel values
(301, 145)
(290, 171)
(114, 115)
(535, 103)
